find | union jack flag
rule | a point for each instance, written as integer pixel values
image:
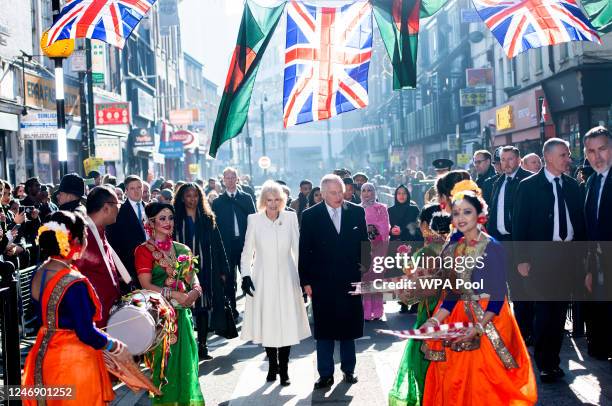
(111, 21)
(522, 24)
(327, 58)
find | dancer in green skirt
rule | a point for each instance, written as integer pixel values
(167, 267)
(410, 380)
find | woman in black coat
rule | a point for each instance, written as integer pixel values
(195, 226)
(403, 217)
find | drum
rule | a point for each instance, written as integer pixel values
(140, 320)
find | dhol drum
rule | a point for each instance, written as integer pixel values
(141, 320)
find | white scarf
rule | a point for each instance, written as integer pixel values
(125, 275)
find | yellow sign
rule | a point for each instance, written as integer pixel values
(504, 118)
(93, 164)
(194, 169)
(40, 92)
(463, 159)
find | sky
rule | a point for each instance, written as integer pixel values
(209, 29)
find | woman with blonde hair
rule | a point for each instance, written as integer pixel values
(274, 315)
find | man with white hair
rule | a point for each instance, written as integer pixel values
(532, 163)
(333, 234)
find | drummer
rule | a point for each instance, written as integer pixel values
(99, 267)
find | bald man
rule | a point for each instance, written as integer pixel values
(532, 163)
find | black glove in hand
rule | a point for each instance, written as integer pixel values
(247, 285)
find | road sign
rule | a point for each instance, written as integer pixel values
(264, 162)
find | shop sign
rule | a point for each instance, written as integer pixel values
(109, 149)
(194, 169)
(98, 61)
(39, 125)
(475, 77)
(40, 93)
(473, 96)
(93, 164)
(463, 159)
(171, 149)
(113, 113)
(143, 137)
(184, 117)
(504, 118)
(146, 105)
(187, 138)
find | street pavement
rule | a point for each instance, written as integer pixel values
(237, 374)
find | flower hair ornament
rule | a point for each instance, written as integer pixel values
(62, 236)
(469, 188)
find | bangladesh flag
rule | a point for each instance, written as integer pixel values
(600, 14)
(398, 22)
(256, 29)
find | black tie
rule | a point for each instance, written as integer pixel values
(561, 207)
(507, 206)
(592, 212)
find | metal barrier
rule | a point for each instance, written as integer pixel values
(9, 326)
(27, 314)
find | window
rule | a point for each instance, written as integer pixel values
(564, 52)
(538, 60)
(509, 73)
(525, 65)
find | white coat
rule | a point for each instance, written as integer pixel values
(275, 316)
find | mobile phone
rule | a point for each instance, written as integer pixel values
(26, 209)
(16, 227)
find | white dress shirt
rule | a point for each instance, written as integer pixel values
(330, 210)
(236, 228)
(135, 208)
(501, 227)
(570, 230)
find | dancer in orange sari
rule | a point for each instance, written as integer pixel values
(68, 348)
(489, 365)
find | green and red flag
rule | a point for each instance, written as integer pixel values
(398, 22)
(256, 29)
(600, 14)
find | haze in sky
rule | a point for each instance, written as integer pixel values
(208, 30)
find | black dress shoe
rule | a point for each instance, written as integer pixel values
(551, 375)
(323, 383)
(203, 354)
(350, 379)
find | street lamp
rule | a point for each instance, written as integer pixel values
(263, 131)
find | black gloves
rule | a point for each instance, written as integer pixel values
(247, 285)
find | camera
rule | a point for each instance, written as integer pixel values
(26, 209)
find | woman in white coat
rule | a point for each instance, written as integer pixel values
(274, 315)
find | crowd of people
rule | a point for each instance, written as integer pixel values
(192, 243)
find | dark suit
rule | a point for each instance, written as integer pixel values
(225, 207)
(552, 268)
(487, 188)
(329, 262)
(125, 235)
(599, 228)
(509, 196)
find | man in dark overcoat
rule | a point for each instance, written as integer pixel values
(598, 218)
(333, 238)
(548, 208)
(232, 209)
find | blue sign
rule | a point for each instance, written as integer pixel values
(171, 149)
(470, 16)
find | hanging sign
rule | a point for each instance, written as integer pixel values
(113, 113)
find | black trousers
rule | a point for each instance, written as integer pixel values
(201, 321)
(548, 333)
(234, 263)
(599, 328)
